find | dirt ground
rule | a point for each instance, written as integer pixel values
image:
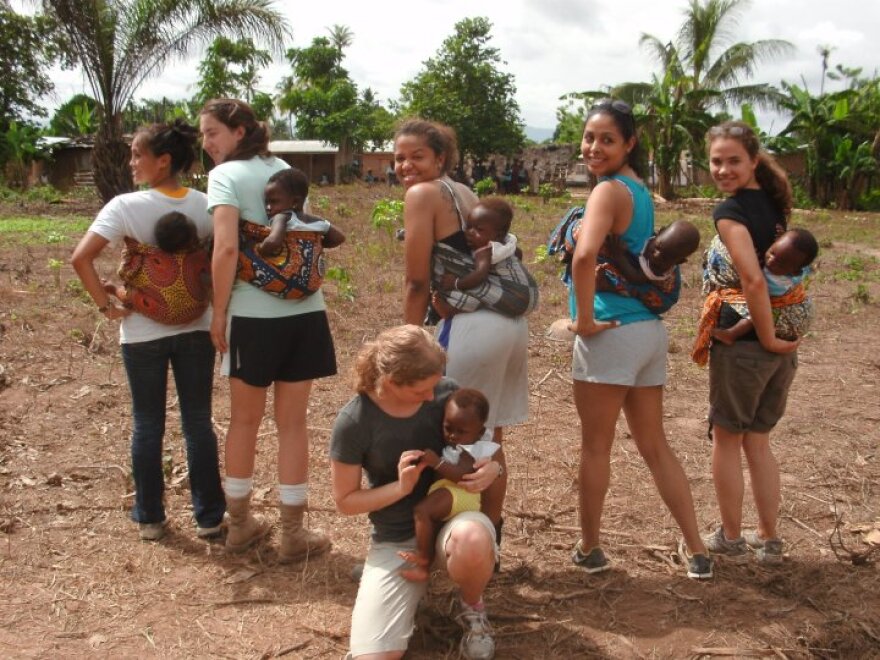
(75, 580)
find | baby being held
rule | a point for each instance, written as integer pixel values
(467, 440)
(786, 264)
(285, 196)
(487, 234)
(666, 249)
(175, 232)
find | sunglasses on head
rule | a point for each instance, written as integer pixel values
(614, 104)
(735, 131)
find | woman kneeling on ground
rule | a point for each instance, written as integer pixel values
(384, 430)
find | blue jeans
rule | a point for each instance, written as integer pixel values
(191, 356)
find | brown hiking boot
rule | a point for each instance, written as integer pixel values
(243, 529)
(296, 541)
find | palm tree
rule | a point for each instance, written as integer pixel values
(701, 69)
(341, 37)
(824, 52)
(705, 53)
(119, 44)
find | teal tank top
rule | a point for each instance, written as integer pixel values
(612, 306)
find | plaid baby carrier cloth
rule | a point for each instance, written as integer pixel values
(170, 288)
(792, 312)
(509, 289)
(296, 272)
(658, 296)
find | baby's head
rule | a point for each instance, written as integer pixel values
(176, 232)
(672, 245)
(488, 221)
(464, 418)
(791, 252)
(287, 189)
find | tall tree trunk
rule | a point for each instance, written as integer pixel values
(667, 190)
(110, 159)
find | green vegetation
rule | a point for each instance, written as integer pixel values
(23, 230)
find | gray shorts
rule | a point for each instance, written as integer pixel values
(633, 355)
(386, 603)
(748, 386)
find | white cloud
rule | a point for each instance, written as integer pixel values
(552, 46)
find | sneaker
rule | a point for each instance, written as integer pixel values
(699, 566)
(593, 561)
(768, 551)
(151, 531)
(209, 533)
(477, 642)
(735, 550)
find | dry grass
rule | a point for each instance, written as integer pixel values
(76, 581)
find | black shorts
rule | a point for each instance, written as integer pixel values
(287, 349)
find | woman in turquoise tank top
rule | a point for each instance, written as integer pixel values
(619, 359)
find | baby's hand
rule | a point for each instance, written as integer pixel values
(269, 247)
(447, 282)
(431, 458)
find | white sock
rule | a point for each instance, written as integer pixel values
(238, 488)
(294, 495)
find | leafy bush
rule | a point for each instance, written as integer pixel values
(870, 201)
(800, 197)
(388, 215)
(485, 187)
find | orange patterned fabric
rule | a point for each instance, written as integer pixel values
(712, 311)
(170, 288)
(297, 271)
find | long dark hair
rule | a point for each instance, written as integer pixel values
(440, 138)
(177, 139)
(622, 115)
(768, 173)
(234, 113)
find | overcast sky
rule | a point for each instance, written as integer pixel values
(552, 46)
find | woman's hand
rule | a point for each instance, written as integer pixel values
(589, 327)
(409, 469)
(782, 346)
(113, 312)
(218, 331)
(486, 471)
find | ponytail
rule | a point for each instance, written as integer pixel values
(774, 181)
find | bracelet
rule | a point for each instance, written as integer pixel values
(439, 463)
(455, 285)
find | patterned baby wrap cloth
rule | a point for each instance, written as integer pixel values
(297, 271)
(792, 312)
(170, 288)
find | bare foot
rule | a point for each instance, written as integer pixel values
(418, 569)
(723, 336)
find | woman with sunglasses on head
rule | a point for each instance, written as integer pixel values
(619, 359)
(749, 379)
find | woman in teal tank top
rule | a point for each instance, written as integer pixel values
(619, 357)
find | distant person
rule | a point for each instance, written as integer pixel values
(749, 379)
(159, 155)
(369, 177)
(324, 180)
(390, 177)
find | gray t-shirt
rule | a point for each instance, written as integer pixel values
(365, 435)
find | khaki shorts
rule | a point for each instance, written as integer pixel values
(748, 386)
(385, 608)
(633, 355)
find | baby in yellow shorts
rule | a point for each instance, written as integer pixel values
(464, 430)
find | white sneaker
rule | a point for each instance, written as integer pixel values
(477, 642)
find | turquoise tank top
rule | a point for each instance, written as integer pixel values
(609, 306)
